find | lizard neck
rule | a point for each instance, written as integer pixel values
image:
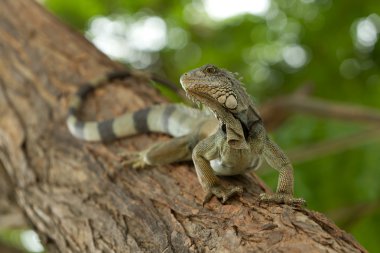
(246, 122)
(248, 118)
(223, 94)
(235, 125)
(236, 131)
(231, 126)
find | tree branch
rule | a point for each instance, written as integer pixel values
(277, 110)
(80, 200)
(300, 102)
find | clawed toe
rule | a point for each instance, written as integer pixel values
(135, 159)
(223, 193)
(281, 198)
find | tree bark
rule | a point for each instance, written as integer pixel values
(78, 197)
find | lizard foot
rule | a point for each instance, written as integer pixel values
(281, 198)
(135, 159)
(222, 192)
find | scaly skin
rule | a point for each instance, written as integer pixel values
(232, 143)
(241, 140)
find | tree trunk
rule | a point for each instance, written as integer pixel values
(78, 197)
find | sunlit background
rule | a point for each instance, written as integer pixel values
(277, 46)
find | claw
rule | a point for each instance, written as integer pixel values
(281, 198)
(221, 192)
(135, 159)
(207, 198)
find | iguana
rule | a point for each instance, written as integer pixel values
(233, 142)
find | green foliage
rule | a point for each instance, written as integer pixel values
(13, 238)
(340, 69)
(77, 13)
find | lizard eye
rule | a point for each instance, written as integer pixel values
(210, 70)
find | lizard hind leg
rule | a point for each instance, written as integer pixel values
(162, 153)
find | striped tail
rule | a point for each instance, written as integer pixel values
(172, 119)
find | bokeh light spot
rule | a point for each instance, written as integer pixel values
(223, 9)
(295, 56)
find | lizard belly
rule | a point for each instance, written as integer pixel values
(223, 168)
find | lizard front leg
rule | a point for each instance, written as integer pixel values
(278, 160)
(203, 152)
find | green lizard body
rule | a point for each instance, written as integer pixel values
(231, 143)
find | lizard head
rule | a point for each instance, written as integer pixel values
(219, 90)
(223, 94)
(213, 87)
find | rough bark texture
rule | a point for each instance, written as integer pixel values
(77, 196)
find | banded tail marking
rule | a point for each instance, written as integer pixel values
(89, 130)
(176, 120)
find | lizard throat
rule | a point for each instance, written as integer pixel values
(210, 103)
(223, 115)
(246, 131)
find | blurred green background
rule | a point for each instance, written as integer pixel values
(276, 46)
